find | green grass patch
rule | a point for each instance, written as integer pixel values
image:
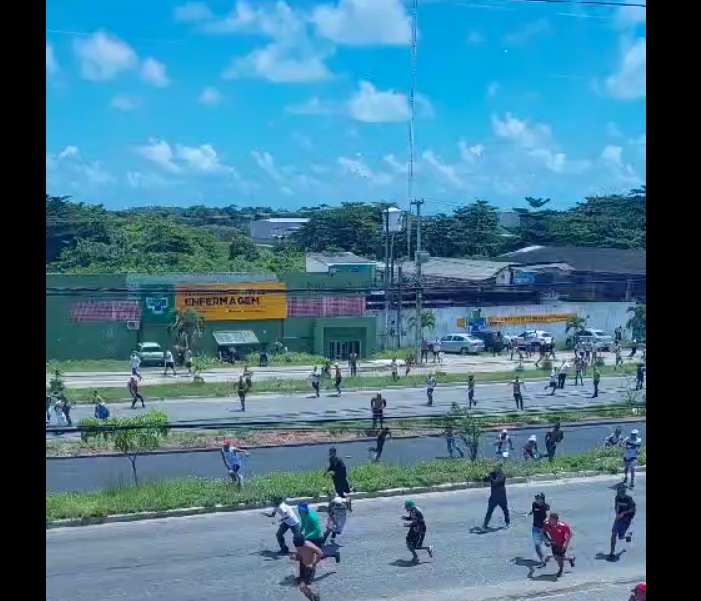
(280, 385)
(197, 492)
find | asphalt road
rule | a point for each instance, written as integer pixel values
(94, 473)
(228, 556)
(287, 408)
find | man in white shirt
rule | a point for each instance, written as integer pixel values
(315, 378)
(632, 446)
(288, 521)
(169, 363)
(231, 456)
(135, 363)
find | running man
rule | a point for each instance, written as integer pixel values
(169, 363)
(308, 555)
(339, 473)
(539, 511)
(552, 384)
(395, 369)
(558, 534)
(596, 379)
(471, 402)
(639, 376)
(231, 456)
(241, 390)
(378, 404)
(615, 439)
(338, 378)
(337, 511)
(625, 512)
(530, 449)
(619, 357)
(503, 444)
(288, 521)
(451, 443)
(553, 438)
(133, 387)
(134, 364)
(497, 496)
(376, 451)
(417, 531)
(310, 524)
(632, 446)
(315, 378)
(639, 593)
(430, 387)
(579, 371)
(518, 386)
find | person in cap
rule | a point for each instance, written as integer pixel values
(231, 456)
(632, 445)
(530, 449)
(639, 593)
(417, 530)
(337, 511)
(539, 511)
(310, 524)
(503, 444)
(625, 512)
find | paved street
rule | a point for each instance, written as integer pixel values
(451, 364)
(288, 408)
(228, 556)
(91, 473)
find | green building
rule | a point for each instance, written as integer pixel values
(105, 317)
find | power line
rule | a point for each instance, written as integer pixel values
(609, 3)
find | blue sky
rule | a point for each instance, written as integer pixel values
(287, 104)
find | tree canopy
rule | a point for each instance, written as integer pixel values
(82, 238)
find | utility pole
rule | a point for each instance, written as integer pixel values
(419, 290)
(385, 215)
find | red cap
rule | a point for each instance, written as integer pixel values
(640, 589)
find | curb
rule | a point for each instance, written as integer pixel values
(513, 427)
(392, 492)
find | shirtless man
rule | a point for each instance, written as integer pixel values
(517, 385)
(308, 555)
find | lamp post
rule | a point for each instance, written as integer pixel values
(392, 224)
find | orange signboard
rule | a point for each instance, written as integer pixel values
(234, 302)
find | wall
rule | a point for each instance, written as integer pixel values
(92, 323)
(603, 316)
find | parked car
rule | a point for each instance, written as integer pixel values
(461, 343)
(489, 337)
(598, 338)
(534, 339)
(150, 353)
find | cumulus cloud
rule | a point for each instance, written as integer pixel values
(528, 33)
(623, 173)
(51, 62)
(374, 106)
(154, 72)
(358, 168)
(210, 96)
(103, 56)
(68, 169)
(182, 158)
(192, 12)
(364, 22)
(266, 162)
(629, 82)
(446, 172)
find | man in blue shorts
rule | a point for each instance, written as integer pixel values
(625, 512)
(539, 511)
(231, 456)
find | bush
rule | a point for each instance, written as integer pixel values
(371, 477)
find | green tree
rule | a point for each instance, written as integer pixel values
(242, 247)
(637, 322)
(188, 325)
(467, 427)
(131, 436)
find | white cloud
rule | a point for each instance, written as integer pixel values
(475, 38)
(203, 159)
(613, 131)
(492, 89)
(265, 161)
(138, 179)
(103, 57)
(628, 17)
(210, 96)
(275, 64)
(68, 151)
(373, 106)
(396, 165)
(630, 80)
(95, 174)
(447, 173)
(69, 170)
(124, 103)
(51, 62)
(192, 12)
(470, 153)
(154, 73)
(537, 142)
(528, 32)
(160, 153)
(364, 22)
(624, 173)
(613, 154)
(312, 107)
(358, 168)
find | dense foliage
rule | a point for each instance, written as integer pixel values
(84, 238)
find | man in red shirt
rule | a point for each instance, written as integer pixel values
(559, 535)
(639, 593)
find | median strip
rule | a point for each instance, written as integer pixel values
(194, 496)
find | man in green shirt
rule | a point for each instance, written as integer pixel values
(596, 378)
(310, 523)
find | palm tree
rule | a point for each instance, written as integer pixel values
(574, 324)
(638, 320)
(188, 325)
(428, 320)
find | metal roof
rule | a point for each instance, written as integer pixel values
(339, 258)
(234, 337)
(458, 269)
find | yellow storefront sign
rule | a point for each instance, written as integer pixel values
(234, 302)
(514, 320)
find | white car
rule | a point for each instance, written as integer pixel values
(462, 344)
(599, 339)
(535, 338)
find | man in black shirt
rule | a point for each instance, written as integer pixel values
(380, 444)
(417, 531)
(625, 512)
(338, 472)
(552, 439)
(539, 511)
(497, 497)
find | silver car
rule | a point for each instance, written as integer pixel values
(462, 344)
(599, 339)
(150, 353)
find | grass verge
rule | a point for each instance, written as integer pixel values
(226, 389)
(256, 438)
(196, 492)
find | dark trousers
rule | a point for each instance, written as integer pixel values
(354, 369)
(578, 378)
(492, 504)
(280, 534)
(561, 380)
(315, 386)
(341, 485)
(135, 396)
(596, 390)
(378, 417)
